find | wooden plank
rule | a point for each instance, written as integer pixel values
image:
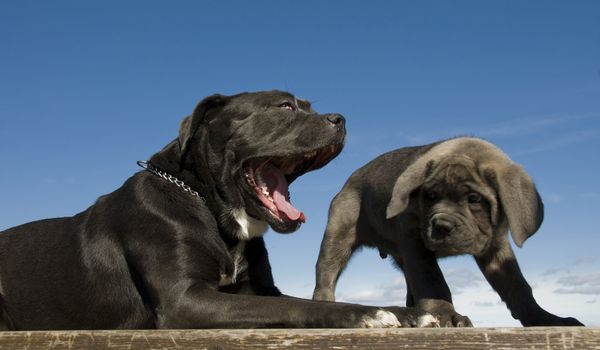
(440, 338)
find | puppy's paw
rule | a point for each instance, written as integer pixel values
(444, 312)
(572, 322)
(381, 319)
(411, 317)
(549, 320)
(428, 321)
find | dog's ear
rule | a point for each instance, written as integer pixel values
(520, 200)
(407, 182)
(190, 124)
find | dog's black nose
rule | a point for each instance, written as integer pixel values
(336, 119)
(440, 228)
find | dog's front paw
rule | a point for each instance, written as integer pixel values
(444, 312)
(381, 319)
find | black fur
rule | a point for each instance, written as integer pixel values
(150, 255)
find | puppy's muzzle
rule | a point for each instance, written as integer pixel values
(441, 226)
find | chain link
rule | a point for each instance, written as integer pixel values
(172, 179)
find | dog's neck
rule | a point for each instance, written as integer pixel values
(169, 161)
(236, 223)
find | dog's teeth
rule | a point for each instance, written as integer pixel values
(265, 192)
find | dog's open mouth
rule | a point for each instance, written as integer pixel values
(270, 178)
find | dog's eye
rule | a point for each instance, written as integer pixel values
(474, 198)
(287, 105)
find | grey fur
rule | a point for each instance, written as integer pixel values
(418, 204)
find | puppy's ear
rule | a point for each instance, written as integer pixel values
(190, 124)
(407, 182)
(520, 201)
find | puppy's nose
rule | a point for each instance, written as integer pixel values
(336, 120)
(441, 228)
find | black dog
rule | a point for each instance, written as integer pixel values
(180, 245)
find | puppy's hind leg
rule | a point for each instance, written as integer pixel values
(339, 242)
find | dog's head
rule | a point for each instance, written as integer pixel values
(247, 149)
(468, 192)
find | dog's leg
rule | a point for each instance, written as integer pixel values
(200, 306)
(339, 242)
(500, 268)
(259, 268)
(5, 322)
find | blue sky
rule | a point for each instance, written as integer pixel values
(87, 88)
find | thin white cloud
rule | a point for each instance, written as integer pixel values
(579, 280)
(484, 304)
(387, 293)
(587, 260)
(460, 279)
(561, 141)
(590, 195)
(554, 271)
(372, 140)
(588, 284)
(553, 198)
(527, 126)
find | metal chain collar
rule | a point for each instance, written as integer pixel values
(172, 179)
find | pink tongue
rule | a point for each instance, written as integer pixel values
(278, 188)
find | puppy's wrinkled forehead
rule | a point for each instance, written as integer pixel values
(453, 171)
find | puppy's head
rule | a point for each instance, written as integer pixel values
(456, 208)
(468, 192)
(250, 147)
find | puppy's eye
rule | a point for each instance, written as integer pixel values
(430, 195)
(287, 105)
(474, 198)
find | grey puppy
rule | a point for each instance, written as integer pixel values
(180, 245)
(418, 204)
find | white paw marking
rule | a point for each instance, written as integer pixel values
(382, 319)
(428, 321)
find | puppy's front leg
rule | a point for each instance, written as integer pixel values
(427, 286)
(423, 275)
(500, 268)
(200, 306)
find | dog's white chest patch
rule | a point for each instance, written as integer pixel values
(240, 265)
(249, 226)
